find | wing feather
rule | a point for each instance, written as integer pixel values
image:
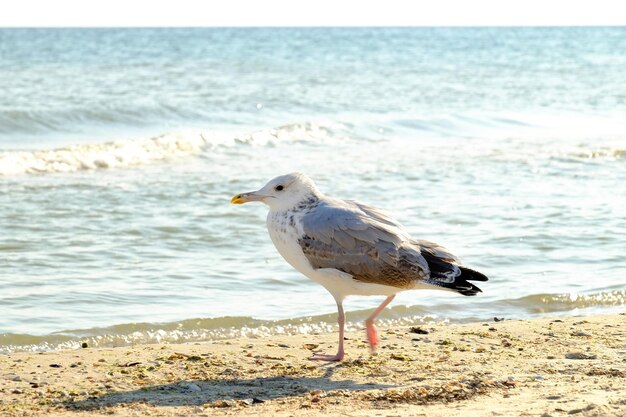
(362, 241)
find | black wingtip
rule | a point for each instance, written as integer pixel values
(472, 275)
(462, 284)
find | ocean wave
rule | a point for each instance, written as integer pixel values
(552, 303)
(565, 150)
(210, 329)
(185, 331)
(33, 121)
(137, 152)
(603, 153)
(510, 125)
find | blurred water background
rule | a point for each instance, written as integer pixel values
(120, 150)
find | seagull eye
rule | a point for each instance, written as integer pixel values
(279, 188)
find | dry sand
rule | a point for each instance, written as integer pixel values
(544, 367)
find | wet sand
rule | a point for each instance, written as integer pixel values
(544, 367)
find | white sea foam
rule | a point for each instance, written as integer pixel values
(137, 152)
(123, 153)
(220, 328)
(251, 330)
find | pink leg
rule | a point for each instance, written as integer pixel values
(341, 319)
(370, 330)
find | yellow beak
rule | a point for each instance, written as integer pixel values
(246, 197)
(238, 199)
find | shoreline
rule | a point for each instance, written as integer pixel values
(547, 366)
(191, 330)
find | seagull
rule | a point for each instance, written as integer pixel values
(351, 248)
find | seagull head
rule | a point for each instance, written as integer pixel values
(281, 193)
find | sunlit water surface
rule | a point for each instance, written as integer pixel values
(120, 150)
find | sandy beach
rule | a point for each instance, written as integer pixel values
(544, 367)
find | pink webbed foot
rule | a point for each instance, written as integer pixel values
(372, 337)
(370, 330)
(328, 358)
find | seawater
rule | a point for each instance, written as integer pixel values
(120, 150)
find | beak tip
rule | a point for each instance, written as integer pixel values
(236, 199)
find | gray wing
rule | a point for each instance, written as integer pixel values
(364, 242)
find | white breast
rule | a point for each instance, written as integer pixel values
(284, 232)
